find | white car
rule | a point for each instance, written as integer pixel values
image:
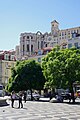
(35, 96)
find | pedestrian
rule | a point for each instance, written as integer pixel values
(20, 99)
(59, 98)
(13, 96)
(25, 95)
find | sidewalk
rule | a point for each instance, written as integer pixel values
(37, 110)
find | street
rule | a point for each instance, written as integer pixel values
(38, 110)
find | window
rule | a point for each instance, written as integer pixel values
(41, 44)
(76, 45)
(59, 34)
(38, 44)
(68, 32)
(31, 48)
(62, 33)
(46, 45)
(31, 37)
(43, 36)
(27, 37)
(27, 47)
(70, 45)
(23, 37)
(73, 35)
(23, 49)
(6, 56)
(62, 37)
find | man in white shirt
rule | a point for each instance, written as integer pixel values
(13, 96)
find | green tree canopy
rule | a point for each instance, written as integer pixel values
(26, 75)
(61, 68)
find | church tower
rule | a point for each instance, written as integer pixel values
(54, 28)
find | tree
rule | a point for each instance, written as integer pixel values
(26, 75)
(61, 68)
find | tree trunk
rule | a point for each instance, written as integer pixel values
(73, 97)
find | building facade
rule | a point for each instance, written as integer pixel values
(5, 70)
(7, 55)
(33, 43)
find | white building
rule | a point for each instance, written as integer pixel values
(33, 43)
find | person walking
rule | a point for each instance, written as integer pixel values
(20, 99)
(13, 96)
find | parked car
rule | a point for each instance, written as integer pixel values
(35, 96)
(2, 92)
(66, 95)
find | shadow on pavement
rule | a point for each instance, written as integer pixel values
(71, 103)
(3, 105)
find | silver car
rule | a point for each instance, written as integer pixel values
(35, 96)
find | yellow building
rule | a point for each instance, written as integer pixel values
(5, 70)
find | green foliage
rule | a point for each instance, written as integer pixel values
(26, 75)
(61, 68)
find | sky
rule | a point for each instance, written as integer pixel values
(19, 16)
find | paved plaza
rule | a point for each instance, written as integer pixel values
(37, 110)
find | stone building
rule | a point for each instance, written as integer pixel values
(32, 44)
